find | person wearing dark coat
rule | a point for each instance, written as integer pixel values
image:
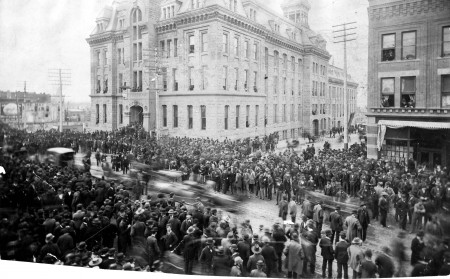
(270, 256)
(336, 224)
(206, 257)
(385, 264)
(327, 253)
(364, 220)
(417, 246)
(244, 251)
(341, 255)
(65, 242)
(310, 249)
(49, 248)
(169, 239)
(221, 264)
(279, 237)
(189, 251)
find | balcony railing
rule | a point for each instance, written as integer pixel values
(416, 110)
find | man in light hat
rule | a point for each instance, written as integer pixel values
(356, 256)
(352, 225)
(49, 248)
(237, 269)
(294, 256)
(256, 250)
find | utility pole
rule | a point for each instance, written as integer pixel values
(19, 115)
(343, 37)
(60, 77)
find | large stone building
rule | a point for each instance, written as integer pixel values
(335, 96)
(409, 81)
(231, 68)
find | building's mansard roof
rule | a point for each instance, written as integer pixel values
(108, 18)
(336, 73)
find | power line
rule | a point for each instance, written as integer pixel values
(342, 36)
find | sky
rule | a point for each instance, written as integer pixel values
(40, 35)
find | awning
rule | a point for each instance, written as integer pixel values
(396, 124)
(416, 124)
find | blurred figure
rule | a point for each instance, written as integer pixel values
(398, 251)
(417, 245)
(385, 264)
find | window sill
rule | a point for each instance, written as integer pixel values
(399, 61)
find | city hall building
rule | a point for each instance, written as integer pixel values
(408, 105)
(218, 69)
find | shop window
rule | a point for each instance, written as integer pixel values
(408, 92)
(387, 92)
(445, 95)
(409, 45)
(388, 44)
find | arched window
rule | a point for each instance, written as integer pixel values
(137, 15)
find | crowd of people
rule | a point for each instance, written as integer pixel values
(63, 215)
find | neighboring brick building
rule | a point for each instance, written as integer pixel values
(334, 108)
(408, 104)
(231, 68)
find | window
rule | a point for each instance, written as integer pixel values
(162, 47)
(255, 80)
(203, 116)
(164, 78)
(292, 87)
(135, 52)
(99, 84)
(445, 90)
(275, 84)
(225, 121)
(119, 55)
(164, 115)
(204, 80)
(388, 44)
(299, 113)
(237, 116)
(408, 92)
(191, 82)
(224, 77)
(204, 38)
(275, 109)
(299, 87)
(236, 46)
(247, 116)
(246, 80)
(225, 43)
(97, 113)
(175, 47)
(246, 49)
(105, 57)
(284, 114)
(191, 43)
(140, 51)
(387, 92)
(409, 45)
(98, 58)
(169, 48)
(284, 85)
(446, 41)
(292, 113)
(175, 81)
(105, 119)
(120, 114)
(236, 78)
(314, 109)
(255, 51)
(175, 116)
(190, 119)
(256, 115)
(276, 60)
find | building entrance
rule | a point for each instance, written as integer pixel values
(136, 115)
(316, 127)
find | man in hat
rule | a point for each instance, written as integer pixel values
(364, 220)
(356, 256)
(237, 269)
(307, 208)
(221, 264)
(244, 250)
(318, 216)
(418, 215)
(49, 248)
(65, 242)
(294, 256)
(206, 257)
(310, 247)
(383, 206)
(336, 224)
(437, 193)
(352, 225)
(270, 256)
(341, 255)
(169, 239)
(152, 246)
(190, 250)
(186, 224)
(258, 272)
(256, 250)
(109, 259)
(327, 253)
(283, 208)
(417, 245)
(402, 210)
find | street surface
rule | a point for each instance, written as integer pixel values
(264, 212)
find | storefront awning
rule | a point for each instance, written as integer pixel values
(396, 124)
(416, 124)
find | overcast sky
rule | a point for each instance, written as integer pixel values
(38, 35)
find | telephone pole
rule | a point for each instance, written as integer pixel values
(60, 77)
(343, 37)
